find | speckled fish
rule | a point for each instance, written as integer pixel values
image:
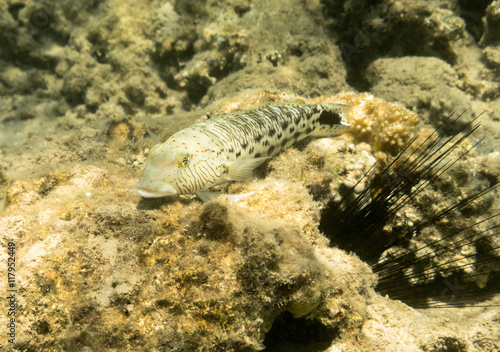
(230, 146)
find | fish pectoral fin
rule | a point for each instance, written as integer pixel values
(242, 170)
(237, 197)
(207, 196)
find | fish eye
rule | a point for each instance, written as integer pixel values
(183, 158)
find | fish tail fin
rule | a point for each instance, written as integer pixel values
(332, 120)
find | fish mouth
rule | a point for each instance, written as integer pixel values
(164, 191)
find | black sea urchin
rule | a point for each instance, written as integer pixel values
(426, 222)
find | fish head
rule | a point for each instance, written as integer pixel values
(176, 168)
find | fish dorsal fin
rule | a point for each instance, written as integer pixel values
(242, 170)
(154, 136)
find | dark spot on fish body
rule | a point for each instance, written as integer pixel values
(244, 145)
(272, 132)
(257, 155)
(308, 130)
(297, 135)
(231, 150)
(265, 143)
(271, 149)
(284, 124)
(250, 151)
(258, 138)
(284, 142)
(329, 118)
(279, 135)
(291, 129)
(238, 154)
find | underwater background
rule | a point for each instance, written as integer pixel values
(98, 268)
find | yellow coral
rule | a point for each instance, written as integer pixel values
(386, 127)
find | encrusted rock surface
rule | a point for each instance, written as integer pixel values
(98, 268)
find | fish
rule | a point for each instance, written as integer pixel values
(228, 147)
